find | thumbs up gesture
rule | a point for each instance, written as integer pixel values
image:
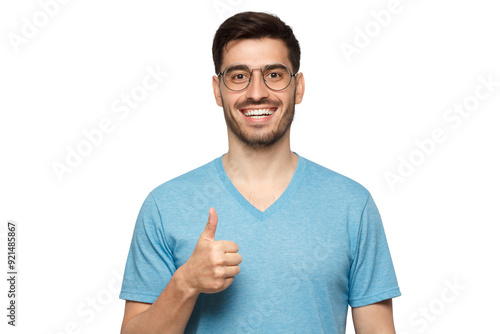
(213, 264)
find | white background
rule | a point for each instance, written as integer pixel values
(358, 117)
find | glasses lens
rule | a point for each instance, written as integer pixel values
(277, 76)
(236, 76)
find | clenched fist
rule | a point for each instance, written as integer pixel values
(213, 264)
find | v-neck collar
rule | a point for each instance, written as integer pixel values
(262, 215)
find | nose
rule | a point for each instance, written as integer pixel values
(257, 89)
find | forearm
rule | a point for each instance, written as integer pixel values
(169, 313)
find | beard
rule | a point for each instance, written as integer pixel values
(259, 138)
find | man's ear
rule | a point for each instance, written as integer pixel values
(216, 87)
(299, 88)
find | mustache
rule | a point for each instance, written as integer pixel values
(253, 103)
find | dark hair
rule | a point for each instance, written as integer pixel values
(254, 25)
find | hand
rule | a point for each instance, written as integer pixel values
(213, 264)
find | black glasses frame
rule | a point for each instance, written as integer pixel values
(262, 71)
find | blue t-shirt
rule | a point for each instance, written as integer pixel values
(318, 248)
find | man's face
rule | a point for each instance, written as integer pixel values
(257, 97)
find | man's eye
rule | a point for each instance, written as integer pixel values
(274, 76)
(239, 77)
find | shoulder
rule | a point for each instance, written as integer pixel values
(184, 200)
(190, 193)
(326, 181)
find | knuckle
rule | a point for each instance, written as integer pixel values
(218, 285)
(219, 272)
(218, 246)
(214, 256)
(217, 261)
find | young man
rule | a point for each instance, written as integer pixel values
(288, 244)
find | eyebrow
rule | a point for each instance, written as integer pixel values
(275, 66)
(243, 67)
(236, 67)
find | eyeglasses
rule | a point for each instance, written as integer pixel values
(276, 76)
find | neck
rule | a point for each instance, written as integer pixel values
(260, 165)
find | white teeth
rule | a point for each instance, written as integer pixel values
(258, 116)
(258, 112)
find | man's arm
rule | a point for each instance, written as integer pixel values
(168, 314)
(211, 268)
(374, 319)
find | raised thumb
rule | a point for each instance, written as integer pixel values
(209, 232)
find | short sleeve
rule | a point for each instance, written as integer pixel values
(372, 277)
(150, 264)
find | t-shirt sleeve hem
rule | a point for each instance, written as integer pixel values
(393, 293)
(138, 297)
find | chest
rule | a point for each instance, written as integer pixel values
(297, 244)
(262, 196)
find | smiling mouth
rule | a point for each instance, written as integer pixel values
(258, 113)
